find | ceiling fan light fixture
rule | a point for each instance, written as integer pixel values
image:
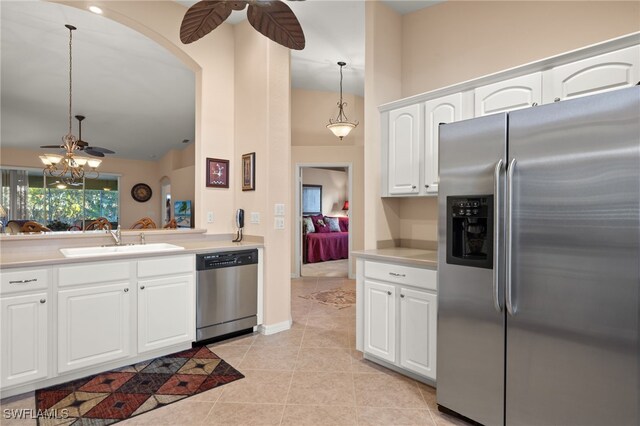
(45, 160)
(95, 9)
(341, 126)
(93, 162)
(80, 161)
(53, 158)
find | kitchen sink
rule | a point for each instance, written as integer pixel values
(114, 250)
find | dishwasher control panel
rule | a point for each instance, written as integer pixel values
(226, 259)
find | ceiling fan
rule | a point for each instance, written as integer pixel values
(273, 19)
(81, 145)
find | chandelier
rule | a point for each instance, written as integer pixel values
(341, 126)
(69, 168)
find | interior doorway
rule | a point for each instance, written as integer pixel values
(165, 200)
(323, 242)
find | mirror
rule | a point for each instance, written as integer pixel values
(138, 100)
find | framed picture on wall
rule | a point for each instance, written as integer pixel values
(249, 172)
(311, 199)
(217, 173)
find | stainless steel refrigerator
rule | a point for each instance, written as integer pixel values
(539, 264)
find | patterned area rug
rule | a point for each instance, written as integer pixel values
(116, 395)
(338, 297)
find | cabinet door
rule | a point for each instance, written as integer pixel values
(380, 320)
(509, 95)
(93, 325)
(24, 339)
(601, 73)
(418, 316)
(404, 146)
(165, 312)
(441, 110)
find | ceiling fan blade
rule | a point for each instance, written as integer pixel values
(205, 16)
(100, 149)
(90, 151)
(52, 146)
(81, 144)
(276, 20)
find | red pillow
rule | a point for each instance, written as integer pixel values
(321, 226)
(344, 224)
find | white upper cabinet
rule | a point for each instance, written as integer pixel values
(509, 95)
(446, 109)
(613, 70)
(404, 145)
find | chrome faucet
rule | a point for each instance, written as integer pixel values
(142, 240)
(117, 235)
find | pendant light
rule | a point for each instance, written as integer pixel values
(69, 168)
(341, 126)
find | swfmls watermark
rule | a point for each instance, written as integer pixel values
(30, 413)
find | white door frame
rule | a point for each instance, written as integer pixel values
(298, 211)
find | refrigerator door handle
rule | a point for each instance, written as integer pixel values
(508, 238)
(497, 202)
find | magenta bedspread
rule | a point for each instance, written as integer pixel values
(327, 246)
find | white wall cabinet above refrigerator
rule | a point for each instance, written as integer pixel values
(409, 142)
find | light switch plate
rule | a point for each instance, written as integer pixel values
(279, 223)
(209, 217)
(255, 217)
(279, 210)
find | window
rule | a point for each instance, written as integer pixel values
(311, 199)
(27, 195)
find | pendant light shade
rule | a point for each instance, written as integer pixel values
(341, 126)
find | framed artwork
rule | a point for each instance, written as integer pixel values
(311, 199)
(182, 213)
(249, 172)
(217, 173)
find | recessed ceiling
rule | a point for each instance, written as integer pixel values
(138, 98)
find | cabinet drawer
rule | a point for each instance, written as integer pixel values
(95, 272)
(170, 265)
(400, 274)
(24, 280)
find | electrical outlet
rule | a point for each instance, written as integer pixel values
(279, 209)
(279, 223)
(209, 217)
(255, 217)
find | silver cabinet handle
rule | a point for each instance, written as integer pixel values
(509, 238)
(389, 293)
(126, 290)
(413, 187)
(43, 300)
(141, 287)
(394, 274)
(556, 100)
(497, 204)
(534, 104)
(402, 295)
(23, 281)
(426, 186)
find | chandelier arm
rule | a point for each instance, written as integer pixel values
(70, 75)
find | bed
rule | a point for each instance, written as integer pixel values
(324, 246)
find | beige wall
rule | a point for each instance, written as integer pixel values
(383, 47)
(461, 40)
(335, 188)
(311, 113)
(263, 125)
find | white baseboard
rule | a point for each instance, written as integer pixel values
(274, 328)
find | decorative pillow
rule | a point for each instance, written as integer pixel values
(309, 228)
(334, 224)
(344, 224)
(320, 224)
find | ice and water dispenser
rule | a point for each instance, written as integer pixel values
(470, 230)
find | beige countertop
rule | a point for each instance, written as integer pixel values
(40, 255)
(400, 255)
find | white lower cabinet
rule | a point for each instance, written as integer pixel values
(165, 312)
(380, 320)
(418, 319)
(24, 338)
(399, 312)
(94, 325)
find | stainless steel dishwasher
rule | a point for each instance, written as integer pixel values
(226, 293)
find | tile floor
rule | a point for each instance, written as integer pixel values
(309, 375)
(332, 268)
